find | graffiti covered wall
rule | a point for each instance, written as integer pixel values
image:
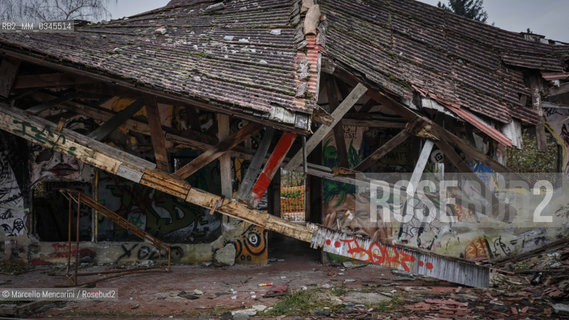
(471, 234)
(13, 215)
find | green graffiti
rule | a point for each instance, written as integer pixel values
(333, 188)
(43, 136)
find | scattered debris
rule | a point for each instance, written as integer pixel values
(277, 291)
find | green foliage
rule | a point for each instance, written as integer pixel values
(291, 194)
(333, 188)
(529, 159)
(472, 9)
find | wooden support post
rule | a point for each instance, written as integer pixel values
(219, 150)
(333, 102)
(321, 133)
(255, 167)
(8, 71)
(116, 121)
(156, 133)
(272, 166)
(420, 167)
(225, 159)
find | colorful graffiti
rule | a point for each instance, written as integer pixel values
(251, 247)
(143, 252)
(477, 250)
(168, 218)
(13, 215)
(64, 250)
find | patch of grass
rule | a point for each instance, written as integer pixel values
(339, 290)
(303, 303)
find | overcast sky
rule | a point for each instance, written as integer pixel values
(546, 17)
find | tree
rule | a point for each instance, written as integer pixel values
(52, 10)
(467, 8)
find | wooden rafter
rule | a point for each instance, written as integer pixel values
(321, 133)
(220, 149)
(383, 150)
(156, 133)
(8, 71)
(116, 121)
(410, 129)
(48, 80)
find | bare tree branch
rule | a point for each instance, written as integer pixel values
(49, 10)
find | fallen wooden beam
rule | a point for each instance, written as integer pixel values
(216, 152)
(156, 133)
(321, 116)
(116, 121)
(321, 133)
(120, 163)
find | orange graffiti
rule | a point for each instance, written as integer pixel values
(476, 250)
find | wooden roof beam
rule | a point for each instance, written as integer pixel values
(321, 133)
(49, 80)
(217, 151)
(116, 121)
(156, 133)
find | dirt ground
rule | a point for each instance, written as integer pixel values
(314, 291)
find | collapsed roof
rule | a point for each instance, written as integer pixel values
(251, 57)
(242, 56)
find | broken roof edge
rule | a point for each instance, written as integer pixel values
(294, 121)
